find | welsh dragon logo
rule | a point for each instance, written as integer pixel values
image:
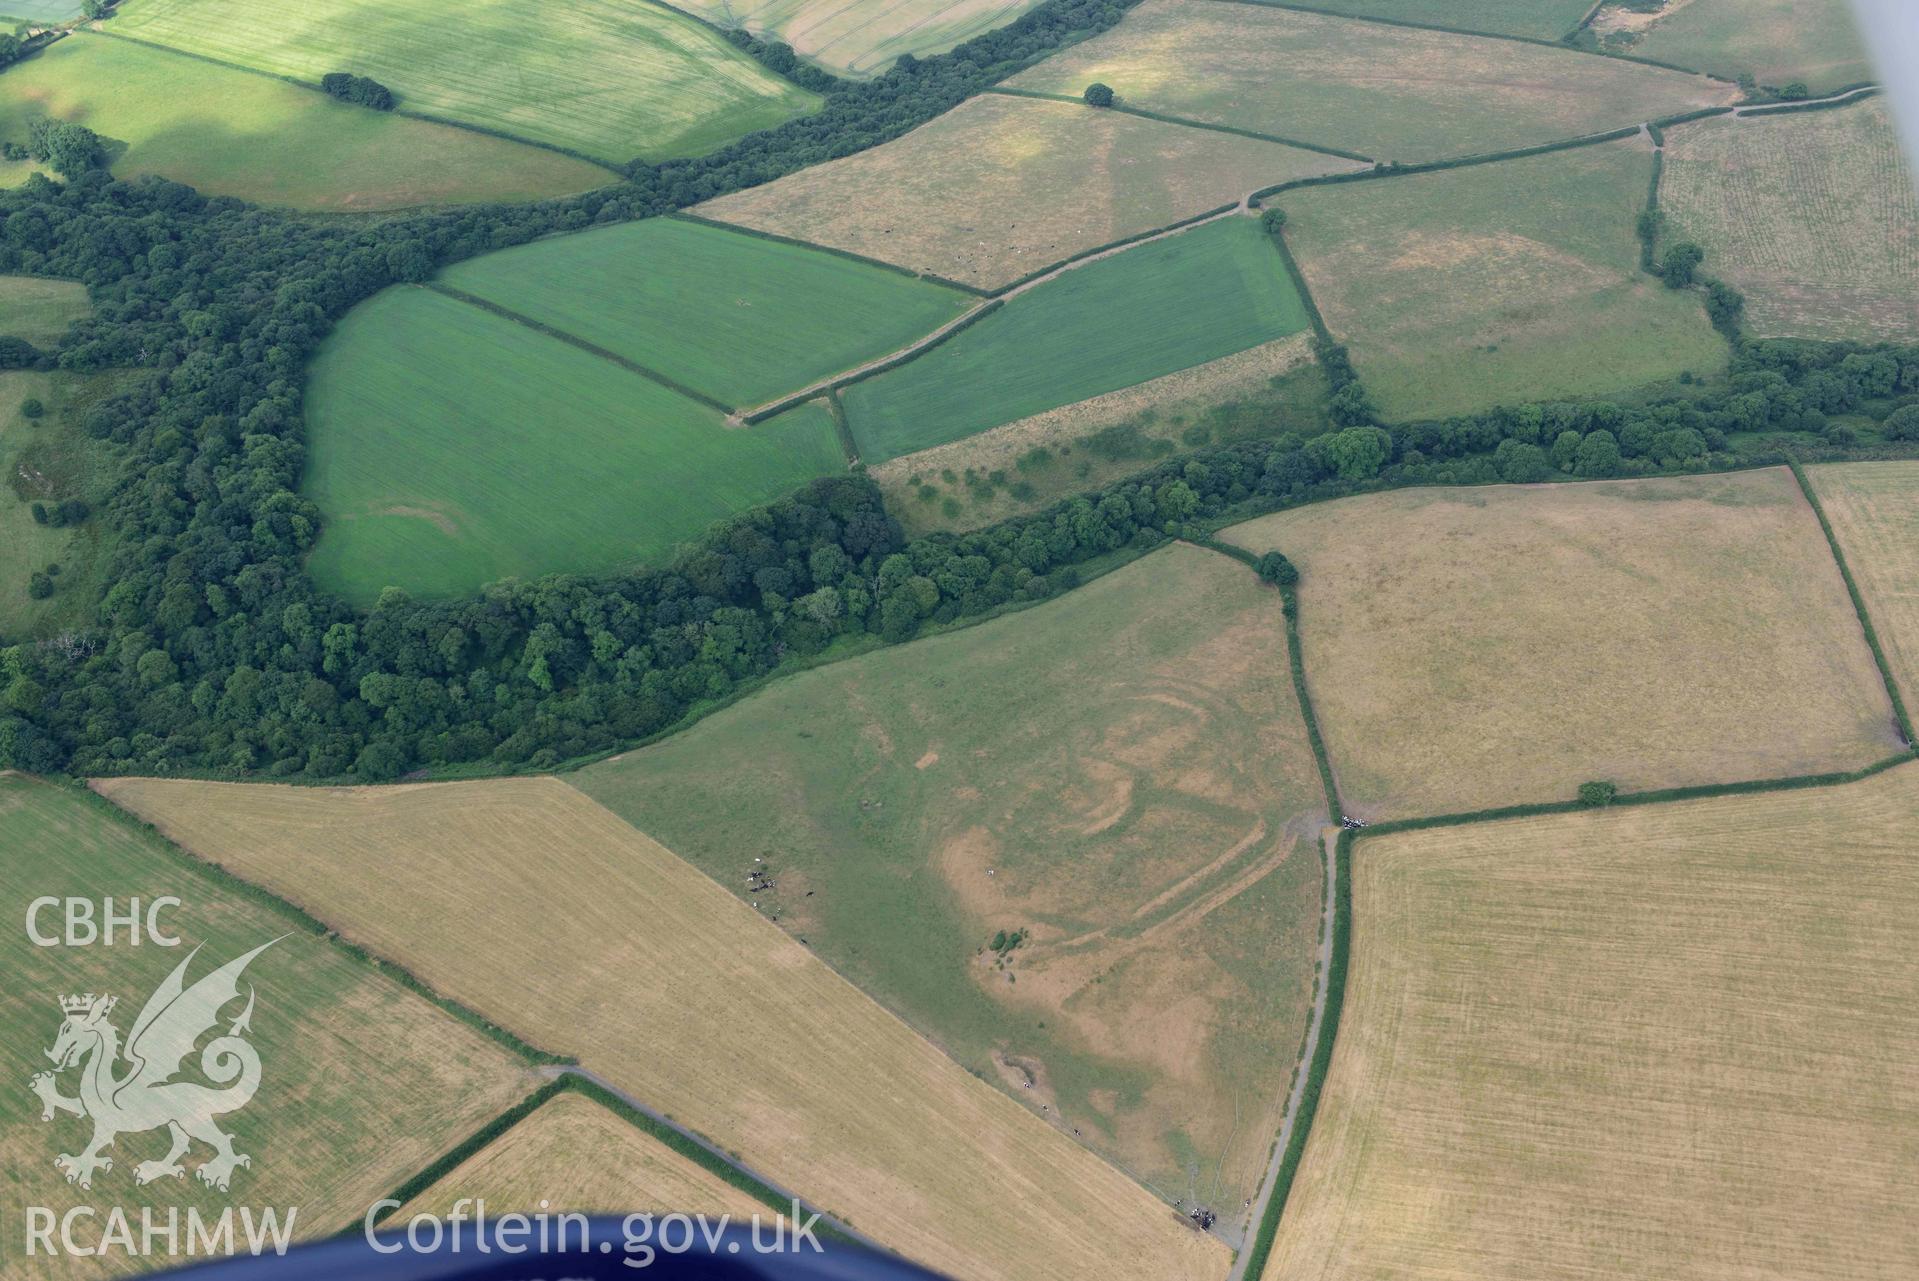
(143, 1095)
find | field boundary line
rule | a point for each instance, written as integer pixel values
(451, 1159)
(662, 1130)
(1858, 604)
(1186, 122)
(872, 369)
(738, 229)
(695, 1147)
(1396, 170)
(574, 340)
(1309, 1073)
(1020, 284)
(991, 303)
(1842, 98)
(836, 408)
(1544, 43)
(407, 112)
(226, 879)
(1261, 1247)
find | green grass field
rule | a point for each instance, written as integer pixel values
(735, 316)
(233, 133)
(1455, 296)
(607, 78)
(47, 460)
(1776, 41)
(1151, 310)
(38, 309)
(362, 1082)
(1123, 773)
(450, 447)
(1393, 93)
(1545, 19)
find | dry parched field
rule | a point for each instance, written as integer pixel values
(1667, 1041)
(863, 37)
(1874, 510)
(1455, 295)
(1811, 214)
(1393, 93)
(1123, 775)
(362, 1082)
(1002, 186)
(1472, 648)
(574, 1154)
(534, 905)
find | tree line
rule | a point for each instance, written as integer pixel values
(212, 651)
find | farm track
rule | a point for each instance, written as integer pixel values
(1314, 1030)
(973, 314)
(1246, 205)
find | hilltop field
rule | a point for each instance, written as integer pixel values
(1146, 826)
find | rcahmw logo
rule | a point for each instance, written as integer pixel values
(138, 1084)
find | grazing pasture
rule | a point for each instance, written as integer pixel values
(1501, 645)
(1393, 93)
(732, 315)
(233, 133)
(1541, 19)
(362, 1082)
(1155, 309)
(618, 952)
(1002, 186)
(1812, 215)
(450, 447)
(1120, 778)
(40, 310)
(1874, 511)
(1672, 1040)
(1775, 41)
(607, 78)
(50, 460)
(573, 1154)
(1454, 296)
(862, 38)
(1034, 462)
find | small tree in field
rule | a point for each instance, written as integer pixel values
(1273, 221)
(1597, 794)
(1098, 95)
(1276, 569)
(1677, 265)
